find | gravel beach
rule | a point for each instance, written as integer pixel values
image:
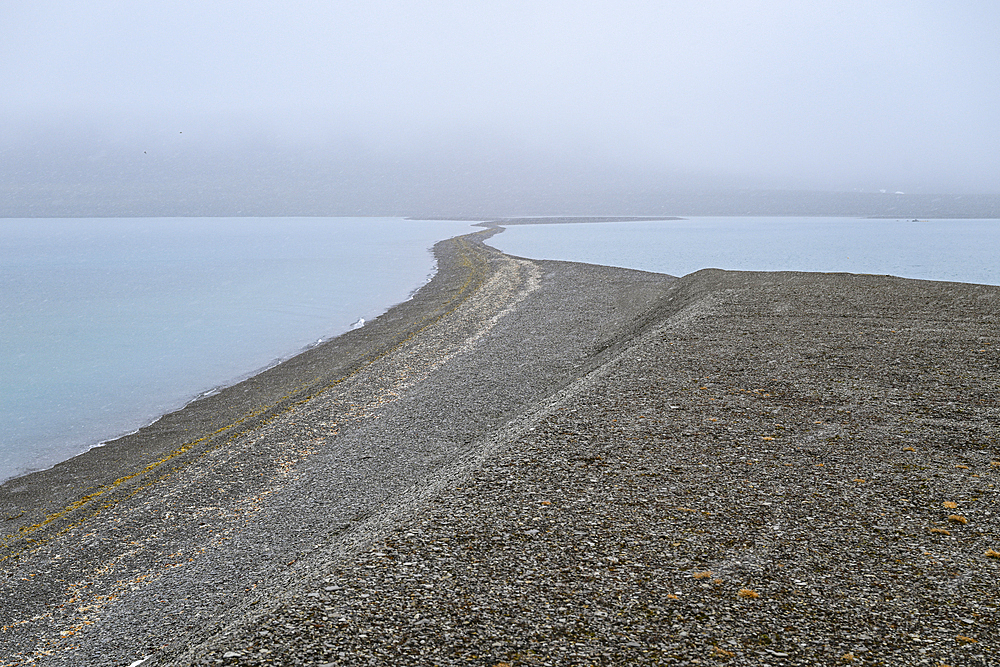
(549, 463)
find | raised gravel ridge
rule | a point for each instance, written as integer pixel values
(213, 512)
(575, 465)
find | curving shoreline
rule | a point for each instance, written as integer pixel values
(241, 406)
(556, 450)
(186, 485)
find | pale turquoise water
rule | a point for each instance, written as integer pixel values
(956, 250)
(107, 324)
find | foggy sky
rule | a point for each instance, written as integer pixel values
(155, 101)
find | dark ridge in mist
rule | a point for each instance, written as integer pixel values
(251, 184)
(64, 176)
(408, 199)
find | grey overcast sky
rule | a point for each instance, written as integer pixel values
(817, 94)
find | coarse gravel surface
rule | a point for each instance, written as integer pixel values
(571, 465)
(144, 545)
(784, 469)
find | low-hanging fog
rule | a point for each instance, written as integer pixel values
(459, 108)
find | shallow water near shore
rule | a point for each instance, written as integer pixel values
(953, 250)
(110, 323)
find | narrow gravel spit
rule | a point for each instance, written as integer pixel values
(560, 464)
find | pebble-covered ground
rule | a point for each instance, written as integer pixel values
(789, 469)
(547, 463)
(140, 550)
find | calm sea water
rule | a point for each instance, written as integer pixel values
(107, 324)
(956, 250)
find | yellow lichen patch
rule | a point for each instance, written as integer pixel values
(958, 518)
(766, 437)
(961, 467)
(962, 639)
(949, 504)
(671, 596)
(990, 553)
(858, 480)
(848, 657)
(702, 575)
(721, 653)
(940, 531)
(909, 449)
(748, 594)
(716, 581)
(995, 464)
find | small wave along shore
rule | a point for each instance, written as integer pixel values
(542, 463)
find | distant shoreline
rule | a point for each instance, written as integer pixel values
(34, 201)
(561, 220)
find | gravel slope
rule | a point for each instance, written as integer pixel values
(215, 511)
(572, 465)
(784, 469)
